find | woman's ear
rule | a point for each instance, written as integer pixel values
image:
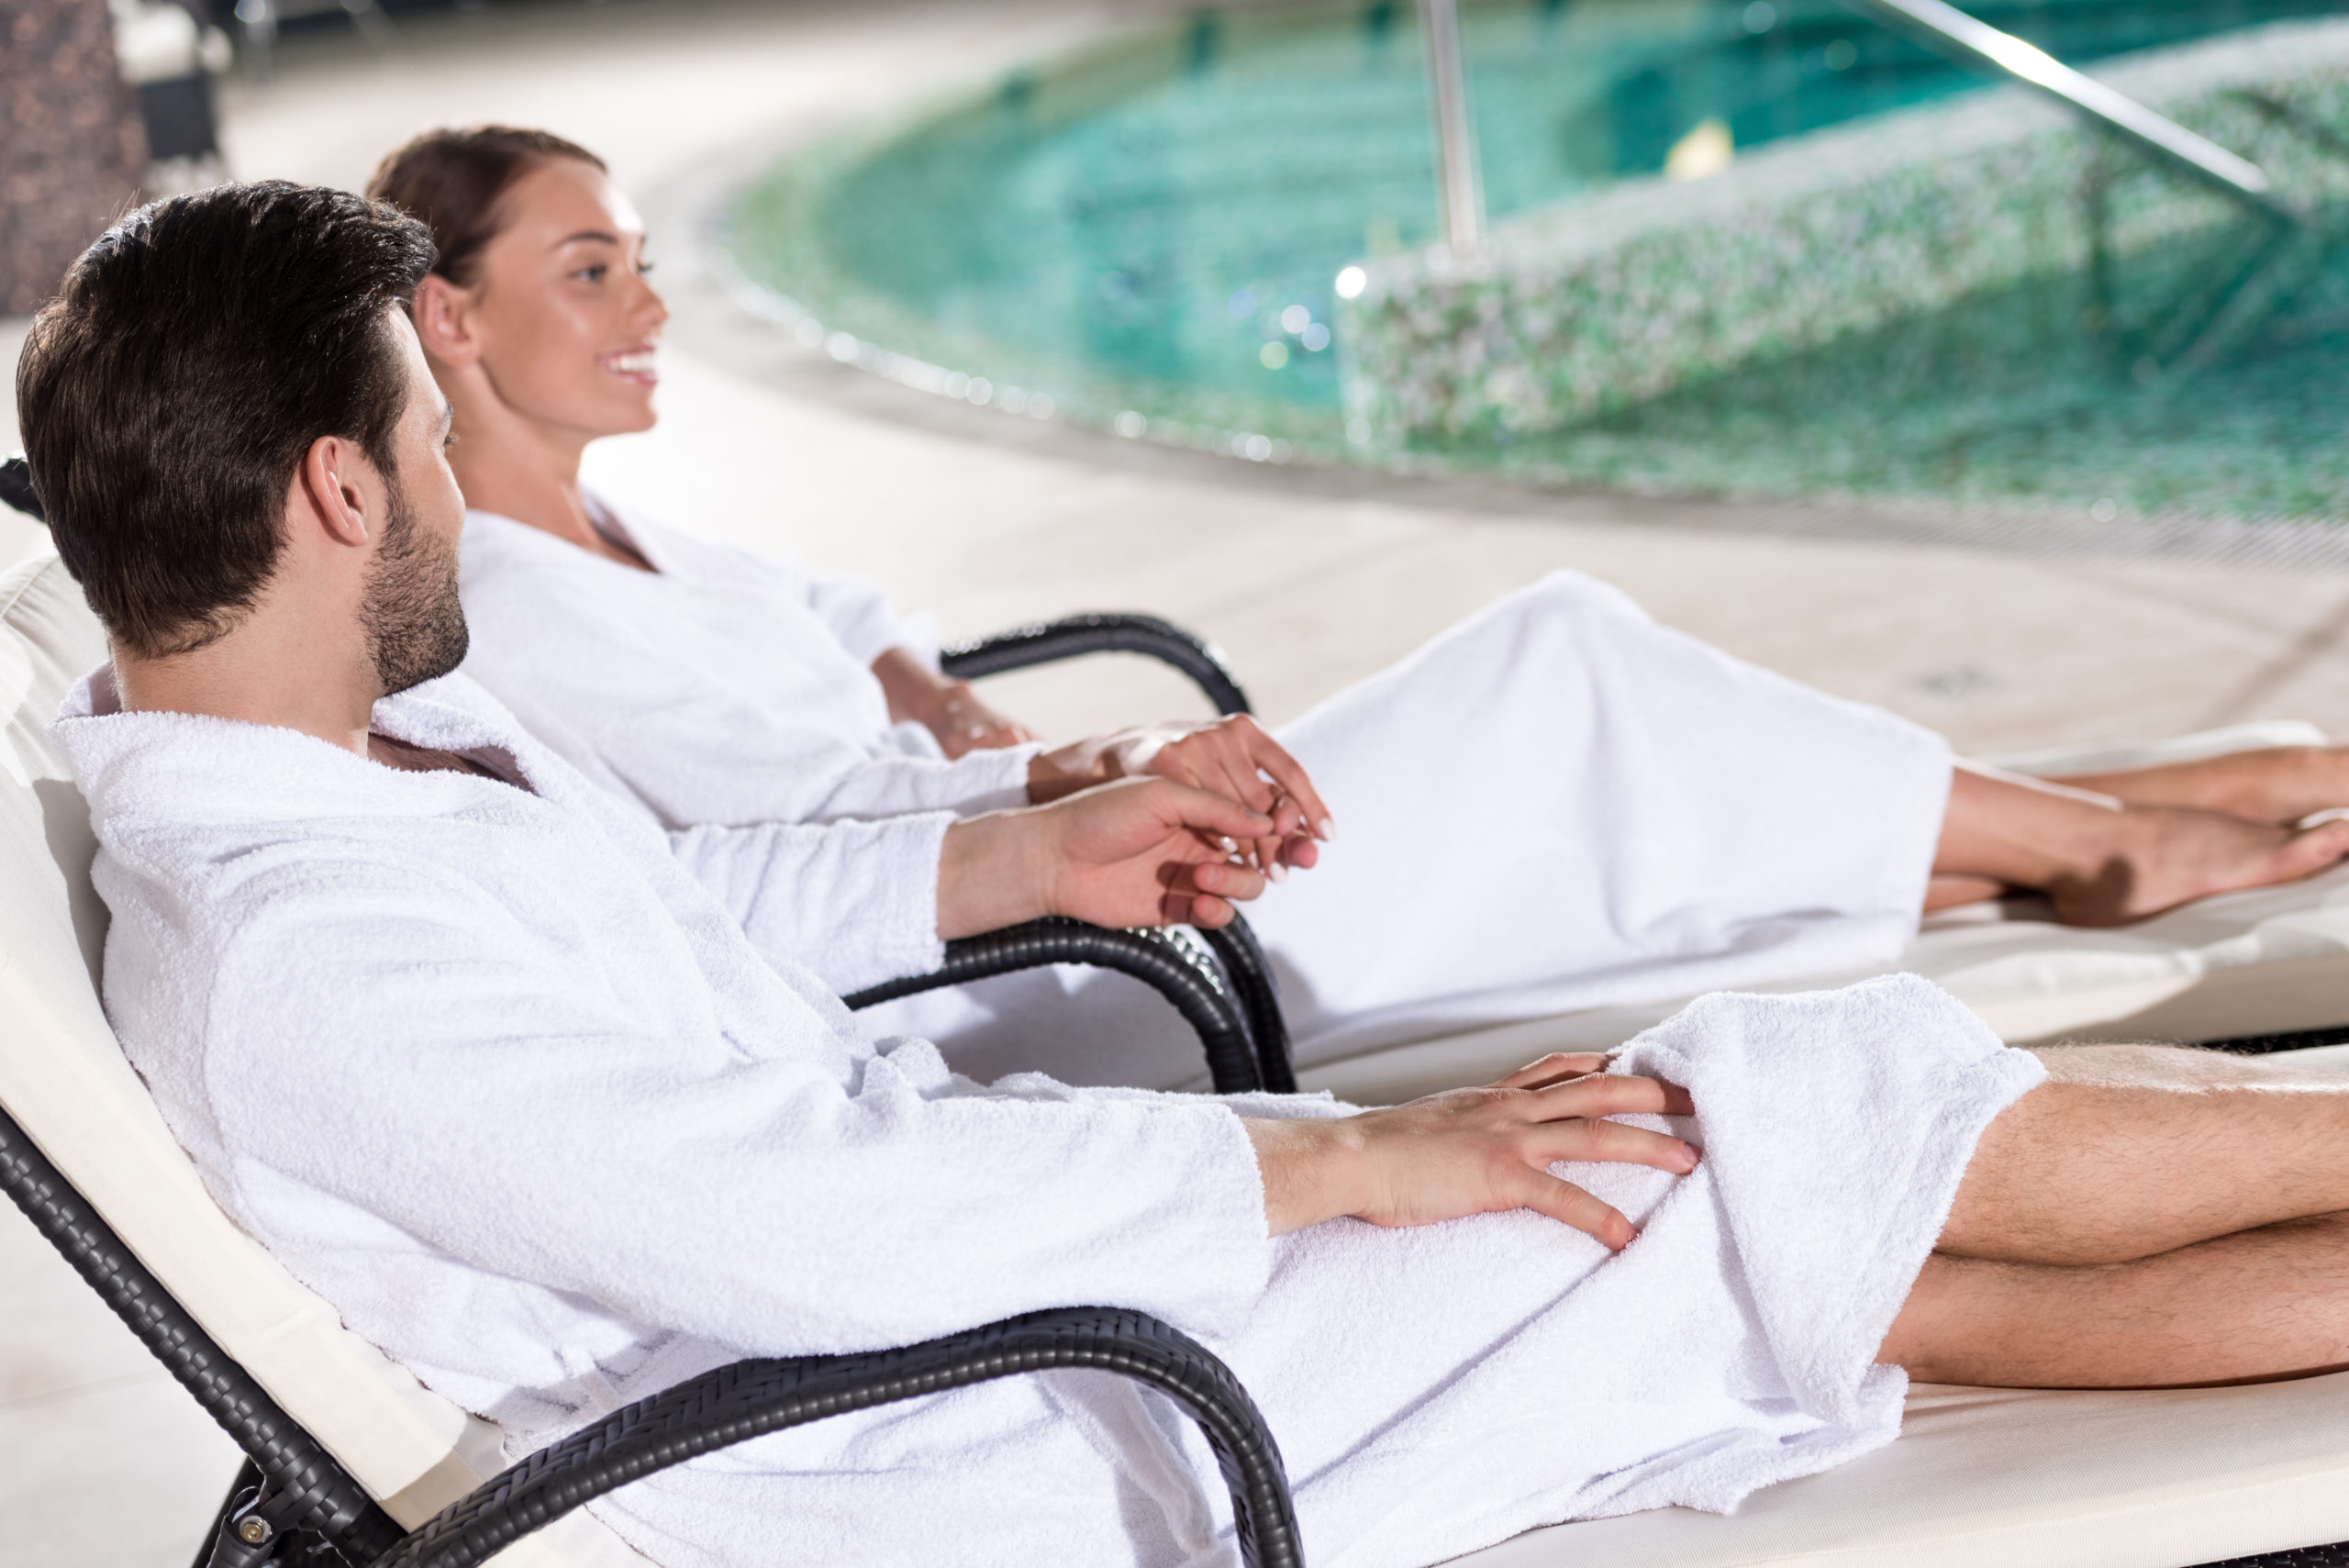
(444, 323)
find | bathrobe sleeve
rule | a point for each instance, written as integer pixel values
(856, 903)
(717, 1160)
(860, 615)
(622, 702)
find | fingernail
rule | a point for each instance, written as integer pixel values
(1326, 828)
(1277, 871)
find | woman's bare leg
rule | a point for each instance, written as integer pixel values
(2280, 784)
(2148, 1215)
(2103, 861)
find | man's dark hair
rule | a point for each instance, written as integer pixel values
(456, 179)
(169, 392)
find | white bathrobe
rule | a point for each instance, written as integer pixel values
(486, 1068)
(1557, 805)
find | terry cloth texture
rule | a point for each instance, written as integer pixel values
(1557, 805)
(486, 1068)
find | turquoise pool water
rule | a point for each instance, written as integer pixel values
(1152, 228)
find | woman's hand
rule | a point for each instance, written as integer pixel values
(963, 724)
(1473, 1151)
(949, 709)
(1233, 757)
(1137, 853)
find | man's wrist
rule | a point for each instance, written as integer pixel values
(989, 874)
(1313, 1169)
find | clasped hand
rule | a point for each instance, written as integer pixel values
(1136, 852)
(1233, 757)
(1473, 1151)
(1156, 825)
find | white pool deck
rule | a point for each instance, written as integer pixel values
(1307, 580)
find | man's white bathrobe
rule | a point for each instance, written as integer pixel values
(487, 1069)
(1557, 805)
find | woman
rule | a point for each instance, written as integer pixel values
(1557, 805)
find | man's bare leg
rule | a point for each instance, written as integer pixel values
(2250, 1307)
(2148, 1215)
(2103, 861)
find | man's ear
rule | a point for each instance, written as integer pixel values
(332, 493)
(444, 323)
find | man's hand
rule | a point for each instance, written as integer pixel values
(949, 709)
(1233, 757)
(1472, 1152)
(1139, 853)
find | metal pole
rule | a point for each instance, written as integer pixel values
(1460, 190)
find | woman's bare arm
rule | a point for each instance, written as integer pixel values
(949, 709)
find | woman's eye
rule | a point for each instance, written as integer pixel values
(593, 274)
(643, 267)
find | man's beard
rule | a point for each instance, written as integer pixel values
(415, 624)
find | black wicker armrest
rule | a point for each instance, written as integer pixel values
(16, 488)
(1105, 633)
(1250, 975)
(750, 1398)
(1173, 961)
(306, 1490)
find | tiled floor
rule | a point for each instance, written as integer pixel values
(1307, 580)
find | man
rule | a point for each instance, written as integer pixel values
(455, 1037)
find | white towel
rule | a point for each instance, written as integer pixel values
(490, 1072)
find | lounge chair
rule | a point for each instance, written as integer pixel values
(349, 1449)
(345, 1449)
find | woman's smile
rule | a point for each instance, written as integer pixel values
(637, 364)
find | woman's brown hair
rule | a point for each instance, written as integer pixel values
(453, 180)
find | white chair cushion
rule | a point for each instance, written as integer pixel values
(64, 1080)
(2022, 1478)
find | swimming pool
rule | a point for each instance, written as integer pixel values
(1148, 233)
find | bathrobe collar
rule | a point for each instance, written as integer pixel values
(225, 769)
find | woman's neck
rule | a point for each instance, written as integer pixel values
(513, 468)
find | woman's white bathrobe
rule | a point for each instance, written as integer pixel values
(1557, 805)
(490, 1072)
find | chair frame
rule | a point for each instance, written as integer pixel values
(1217, 980)
(292, 1503)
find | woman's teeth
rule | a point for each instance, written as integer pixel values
(640, 363)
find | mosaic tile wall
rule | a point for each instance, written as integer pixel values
(1651, 289)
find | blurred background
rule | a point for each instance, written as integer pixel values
(1860, 363)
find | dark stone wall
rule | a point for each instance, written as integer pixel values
(71, 146)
